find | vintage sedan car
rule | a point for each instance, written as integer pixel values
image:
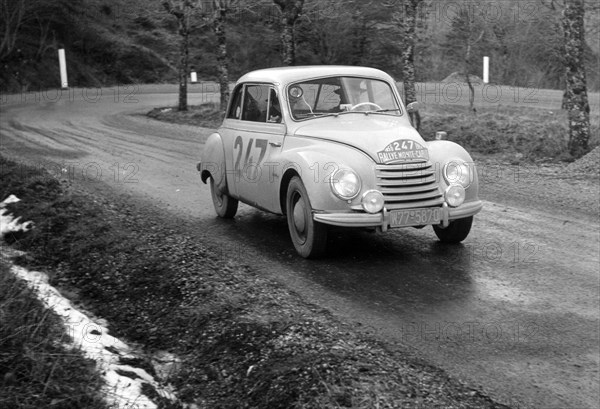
(334, 146)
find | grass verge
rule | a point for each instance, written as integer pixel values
(36, 370)
(205, 115)
(244, 341)
(515, 134)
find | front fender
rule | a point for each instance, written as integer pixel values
(212, 162)
(316, 164)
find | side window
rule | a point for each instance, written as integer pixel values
(235, 109)
(256, 100)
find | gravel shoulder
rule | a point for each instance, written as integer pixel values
(569, 191)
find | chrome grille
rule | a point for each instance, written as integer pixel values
(408, 185)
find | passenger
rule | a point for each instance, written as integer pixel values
(274, 109)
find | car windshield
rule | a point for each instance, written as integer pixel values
(336, 95)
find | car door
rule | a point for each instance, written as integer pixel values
(229, 130)
(258, 136)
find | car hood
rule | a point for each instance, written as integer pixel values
(385, 138)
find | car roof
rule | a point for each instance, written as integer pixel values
(285, 75)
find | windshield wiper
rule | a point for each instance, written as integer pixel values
(375, 111)
(325, 114)
(378, 111)
(387, 110)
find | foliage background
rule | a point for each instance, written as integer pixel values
(119, 42)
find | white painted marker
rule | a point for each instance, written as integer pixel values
(62, 62)
(486, 70)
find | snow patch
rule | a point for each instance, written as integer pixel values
(96, 343)
(8, 224)
(123, 387)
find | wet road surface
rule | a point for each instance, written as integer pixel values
(515, 308)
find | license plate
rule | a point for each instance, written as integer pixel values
(415, 217)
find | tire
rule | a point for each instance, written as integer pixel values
(457, 230)
(309, 237)
(225, 206)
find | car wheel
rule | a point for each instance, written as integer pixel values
(225, 206)
(309, 237)
(457, 230)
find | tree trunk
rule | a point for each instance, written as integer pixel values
(290, 12)
(408, 63)
(468, 63)
(468, 77)
(360, 42)
(223, 76)
(288, 42)
(576, 90)
(183, 70)
(181, 11)
(500, 33)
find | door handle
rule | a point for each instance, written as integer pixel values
(275, 144)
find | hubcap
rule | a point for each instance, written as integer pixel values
(299, 217)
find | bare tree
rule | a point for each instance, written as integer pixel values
(182, 11)
(576, 89)
(221, 7)
(500, 32)
(589, 30)
(44, 45)
(338, 31)
(469, 43)
(290, 12)
(12, 13)
(407, 19)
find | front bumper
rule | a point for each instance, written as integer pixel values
(381, 219)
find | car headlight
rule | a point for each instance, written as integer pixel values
(345, 183)
(372, 201)
(455, 195)
(457, 173)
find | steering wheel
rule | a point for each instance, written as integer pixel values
(365, 103)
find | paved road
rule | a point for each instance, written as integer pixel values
(514, 309)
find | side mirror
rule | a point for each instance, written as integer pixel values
(412, 107)
(440, 135)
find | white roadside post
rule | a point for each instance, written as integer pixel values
(194, 77)
(62, 62)
(486, 70)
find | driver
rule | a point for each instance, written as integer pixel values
(342, 101)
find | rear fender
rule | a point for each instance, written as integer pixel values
(212, 162)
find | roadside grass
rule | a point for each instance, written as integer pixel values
(206, 115)
(244, 340)
(36, 370)
(515, 134)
